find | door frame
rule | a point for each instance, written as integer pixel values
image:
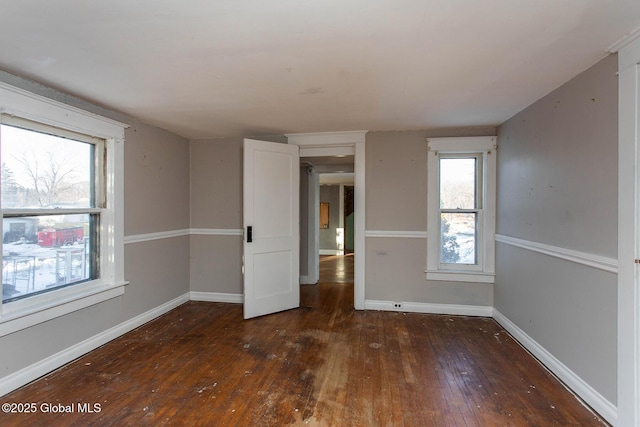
(628, 49)
(344, 143)
(313, 222)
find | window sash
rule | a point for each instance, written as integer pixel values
(98, 168)
(479, 243)
(478, 203)
(97, 192)
(74, 263)
(478, 184)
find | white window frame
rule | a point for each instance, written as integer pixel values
(484, 270)
(21, 314)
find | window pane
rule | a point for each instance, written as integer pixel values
(41, 253)
(45, 171)
(458, 183)
(459, 238)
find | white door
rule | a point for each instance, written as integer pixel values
(271, 227)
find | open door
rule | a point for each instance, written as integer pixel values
(271, 227)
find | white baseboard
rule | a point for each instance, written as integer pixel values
(51, 363)
(307, 280)
(216, 297)
(418, 307)
(594, 399)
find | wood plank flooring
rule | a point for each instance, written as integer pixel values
(323, 364)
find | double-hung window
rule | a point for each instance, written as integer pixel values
(52, 201)
(461, 209)
(61, 202)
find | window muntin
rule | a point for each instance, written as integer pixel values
(51, 192)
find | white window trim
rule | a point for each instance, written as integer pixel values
(485, 271)
(22, 314)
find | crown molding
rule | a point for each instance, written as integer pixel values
(624, 41)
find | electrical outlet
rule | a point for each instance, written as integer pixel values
(397, 305)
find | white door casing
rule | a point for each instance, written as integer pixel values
(628, 401)
(271, 227)
(344, 143)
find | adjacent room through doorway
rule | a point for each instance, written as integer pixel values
(327, 218)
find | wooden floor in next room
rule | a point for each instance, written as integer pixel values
(323, 364)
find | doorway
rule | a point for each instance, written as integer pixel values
(336, 254)
(334, 288)
(313, 148)
(327, 219)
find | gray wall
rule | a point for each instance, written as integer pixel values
(396, 198)
(216, 204)
(156, 199)
(396, 174)
(557, 185)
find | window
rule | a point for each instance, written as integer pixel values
(51, 182)
(61, 201)
(461, 205)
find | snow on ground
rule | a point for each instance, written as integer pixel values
(28, 268)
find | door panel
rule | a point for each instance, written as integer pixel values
(271, 209)
(274, 280)
(272, 183)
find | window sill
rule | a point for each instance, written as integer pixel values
(33, 315)
(461, 276)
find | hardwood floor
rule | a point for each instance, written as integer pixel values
(335, 288)
(323, 364)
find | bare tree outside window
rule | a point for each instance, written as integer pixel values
(51, 182)
(10, 188)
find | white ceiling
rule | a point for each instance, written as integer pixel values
(205, 68)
